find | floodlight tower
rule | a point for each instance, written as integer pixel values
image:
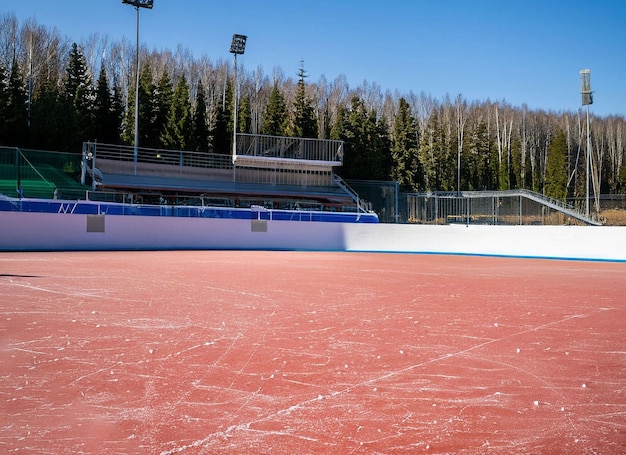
(148, 5)
(587, 99)
(237, 47)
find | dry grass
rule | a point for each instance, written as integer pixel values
(613, 217)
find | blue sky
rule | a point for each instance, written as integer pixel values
(520, 51)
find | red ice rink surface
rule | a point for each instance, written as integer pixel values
(294, 352)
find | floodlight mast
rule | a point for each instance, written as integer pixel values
(148, 5)
(587, 99)
(237, 47)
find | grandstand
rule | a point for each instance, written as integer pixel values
(273, 172)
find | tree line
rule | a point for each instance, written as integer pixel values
(55, 94)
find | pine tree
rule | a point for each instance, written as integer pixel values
(199, 124)
(406, 167)
(148, 136)
(275, 116)
(104, 124)
(162, 98)
(47, 115)
(117, 110)
(78, 98)
(430, 155)
(4, 103)
(178, 129)
(479, 161)
(221, 132)
(304, 123)
(244, 117)
(365, 142)
(16, 120)
(556, 168)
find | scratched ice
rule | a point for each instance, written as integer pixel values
(240, 352)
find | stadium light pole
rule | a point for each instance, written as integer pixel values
(237, 47)
(137, 4)
(587, 99)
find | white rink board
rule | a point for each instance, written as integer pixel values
(45, 231)
(567, 242)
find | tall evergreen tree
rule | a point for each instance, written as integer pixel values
(4, 103)
(556, 168)
(47, 115)
(365, 142)
(244, 117)
(479, 161)
(275, 116)
(406, 168)
(117, 109)
(16, 120)
(304, 123)
(430, 153)
(162, 98)
(148, 137)
(199, 123)
(178, 129)
(105, 124)
(78, 99)
(221, 132)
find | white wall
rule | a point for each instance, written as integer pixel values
(41, 231)
(572, 242)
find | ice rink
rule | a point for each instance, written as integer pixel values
(202, 352)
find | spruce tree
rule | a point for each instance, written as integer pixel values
(479, 159)
(178, 129)
(556, 168)
(199, 124)
(102, 112)
(430, 153)
(117, 110)
(148, 137)
(275, 116)
(304, 123)
(47, 115)
(365, 142)
(406, 169)
(222, 132)
(16, 120)
(244, 117)
(4, 103)
(161, 105)
(78, 98)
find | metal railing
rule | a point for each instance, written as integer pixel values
(488, 207)
(160, 156)
(362, 206)
(296, 148)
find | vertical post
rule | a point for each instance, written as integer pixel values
(83, 165)
(137, 4)
(458, 172)
(587, 99)
(588, 165)
(136, 144)
(19, 176)
(236, 96)
(237, 46)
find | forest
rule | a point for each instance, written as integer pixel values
(55, 94)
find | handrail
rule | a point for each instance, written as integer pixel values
(548, 201)
(285, 147)
(362, 207)
(178, 158)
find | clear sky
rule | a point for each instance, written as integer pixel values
(528, 51)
